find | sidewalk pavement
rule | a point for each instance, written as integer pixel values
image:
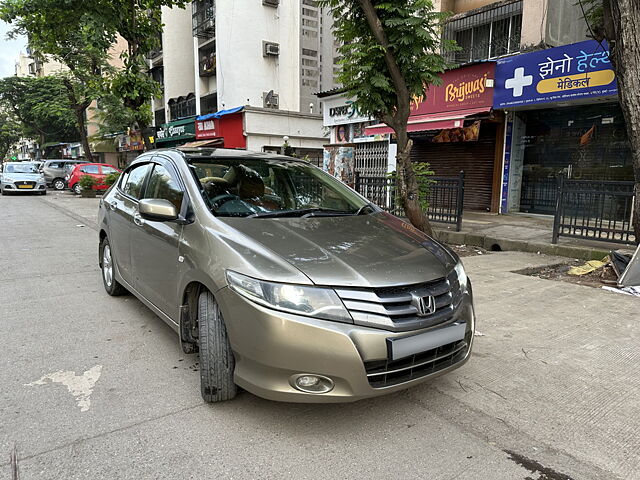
(522, 232)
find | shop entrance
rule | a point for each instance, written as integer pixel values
(582, 143)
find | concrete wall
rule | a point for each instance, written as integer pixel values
(244, 74)
(267, 128)
(177, 53)
(534, 17)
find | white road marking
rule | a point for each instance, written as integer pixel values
(80, 386)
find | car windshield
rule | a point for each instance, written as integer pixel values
(20, 168)
(268, 188)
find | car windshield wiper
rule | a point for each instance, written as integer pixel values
(304, 213)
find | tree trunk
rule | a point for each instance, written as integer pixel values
(622, 24)
(408, 185)
(80, 119)
(407, 182)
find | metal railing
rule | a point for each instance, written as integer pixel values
(203, 18)
(445, 196)
(594, 210)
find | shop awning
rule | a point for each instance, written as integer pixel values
(434, 121)
(220, 113)
(212, 142)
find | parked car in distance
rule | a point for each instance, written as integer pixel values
(22, 177)
(55, 172)
(289, 284)
(96, 170)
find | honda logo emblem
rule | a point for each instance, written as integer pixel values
(426, 305)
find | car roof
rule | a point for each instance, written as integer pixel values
(191, 153)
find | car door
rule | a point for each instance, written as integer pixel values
(91, 170)
(122, 208)
(156, 245)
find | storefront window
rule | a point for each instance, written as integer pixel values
(583, 142)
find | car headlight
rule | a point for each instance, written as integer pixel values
(462, 276)
(302, 300)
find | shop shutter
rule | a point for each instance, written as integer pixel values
(475, 158)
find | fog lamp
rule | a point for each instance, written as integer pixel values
(312, 383)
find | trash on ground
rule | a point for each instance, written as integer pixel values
(590, 266)
(631, 274)
(634, 291)
(80, 226)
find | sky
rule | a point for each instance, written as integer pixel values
(9, 51)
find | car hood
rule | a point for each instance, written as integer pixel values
(366, 251)
(19, 177)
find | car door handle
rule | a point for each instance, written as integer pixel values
(138, 220)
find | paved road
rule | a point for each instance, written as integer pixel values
(97, 387)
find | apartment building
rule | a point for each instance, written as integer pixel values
(243, 74)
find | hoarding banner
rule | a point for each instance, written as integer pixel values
(565, 73)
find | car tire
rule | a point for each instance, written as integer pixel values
(58, 184)
(77, 189)
(107, 268)
(216, 358)
(43, 192)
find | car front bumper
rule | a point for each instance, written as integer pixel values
(271, 348)
(15, 187)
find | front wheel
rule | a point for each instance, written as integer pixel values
(216, 358)
(112, 287)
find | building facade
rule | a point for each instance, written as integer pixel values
(267, 57)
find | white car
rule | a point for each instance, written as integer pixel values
(21, 177)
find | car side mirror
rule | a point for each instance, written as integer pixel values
(157, 210)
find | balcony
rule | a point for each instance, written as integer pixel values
(204, 18)
(485, 33)
(207, 61)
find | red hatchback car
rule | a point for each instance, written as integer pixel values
(95, 170)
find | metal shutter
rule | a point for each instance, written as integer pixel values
(475, 158)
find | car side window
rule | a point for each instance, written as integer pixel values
(92, 169)
(163, 184)
(107, 170)
(135, 180)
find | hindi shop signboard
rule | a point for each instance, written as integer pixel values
(206, 129)
(566, 73)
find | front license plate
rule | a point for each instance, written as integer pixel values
(406, 346)
(25, 186)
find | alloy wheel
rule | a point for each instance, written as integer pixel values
(107, 265)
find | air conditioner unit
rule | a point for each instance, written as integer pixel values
(271, 3)
(271, 99)
(270, 49)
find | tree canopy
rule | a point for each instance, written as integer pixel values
(10, 133)
(41, 106)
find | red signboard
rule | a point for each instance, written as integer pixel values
(206, 129)
(461, 89)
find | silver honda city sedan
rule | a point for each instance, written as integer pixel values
(288, 283)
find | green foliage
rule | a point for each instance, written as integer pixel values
(423, 174)
(10, 132)
(594, 16)
(41, 106)
(413, 30)
(87, 182)
(111, 178)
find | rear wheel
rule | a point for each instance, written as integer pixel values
(77, 189)
(216, 358)
(58, 184)
(112, 287)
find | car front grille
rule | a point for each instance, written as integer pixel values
(386, 373)
(392, 308)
